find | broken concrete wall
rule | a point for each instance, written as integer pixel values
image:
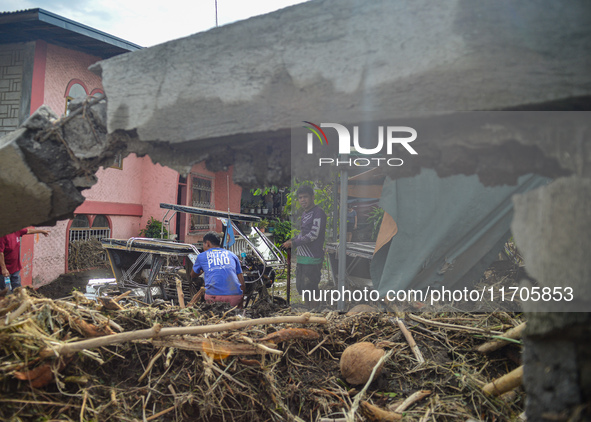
(552, 227)
(45, 164)
(243, 86)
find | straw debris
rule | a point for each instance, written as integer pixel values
(274, 371)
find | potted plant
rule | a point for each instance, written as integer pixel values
(259, 206)
(154, 229)
(271, 227)
(243, 206)
(251, 207)
(263, 224)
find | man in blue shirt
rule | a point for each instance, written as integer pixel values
(222, 272)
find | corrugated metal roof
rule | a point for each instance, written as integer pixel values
(40, 24)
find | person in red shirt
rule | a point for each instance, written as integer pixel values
(10, 256)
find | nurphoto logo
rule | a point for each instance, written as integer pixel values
(389, 135)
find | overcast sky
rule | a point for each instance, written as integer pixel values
(150, 23)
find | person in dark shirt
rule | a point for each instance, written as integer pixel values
(309, 243)
(222, 272)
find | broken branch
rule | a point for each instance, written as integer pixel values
(179, 290)
(196, 297)
(291, 334)
(410, 400)
(452, 326)
(513, 333)
(158, 331)
(374, 413)
(505, 383)
(411, 341)
(110, 304)
(202, 344)
(151, 364)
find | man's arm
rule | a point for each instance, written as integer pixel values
(35, 231)
(5, 272)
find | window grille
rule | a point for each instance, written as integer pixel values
(81, 230)
(202, 190)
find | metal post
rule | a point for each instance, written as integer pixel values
(288, 275)
(335, 197)
(342, 251)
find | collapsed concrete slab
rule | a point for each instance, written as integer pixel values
(248, 84)
(46, 163)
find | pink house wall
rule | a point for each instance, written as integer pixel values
(139, 185)
(63, 65)
(159, 184)
(60, 66)
(128, 196)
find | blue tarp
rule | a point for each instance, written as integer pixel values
(449, 229)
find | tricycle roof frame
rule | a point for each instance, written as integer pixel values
(155, 246)
(210, 213)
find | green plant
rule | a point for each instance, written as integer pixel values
(153, 229)
(282, 232)
(264, 191)
(375, 219)
(323, 197)
(263, 224)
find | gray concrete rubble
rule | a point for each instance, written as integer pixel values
(45, 164)
(551, 225)
(245, 85)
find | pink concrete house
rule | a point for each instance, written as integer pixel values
(44, 59)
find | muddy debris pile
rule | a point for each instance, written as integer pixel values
(76, 359)
(86, 253)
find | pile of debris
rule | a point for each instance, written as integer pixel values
(86, 253)
(75, 359)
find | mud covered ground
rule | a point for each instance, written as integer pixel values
(65, 283)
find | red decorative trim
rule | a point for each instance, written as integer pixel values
(110, 208)
(38, 83)
(72, 82)
(110, 222)
(97, 90)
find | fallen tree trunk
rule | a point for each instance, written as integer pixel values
(157, 331)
